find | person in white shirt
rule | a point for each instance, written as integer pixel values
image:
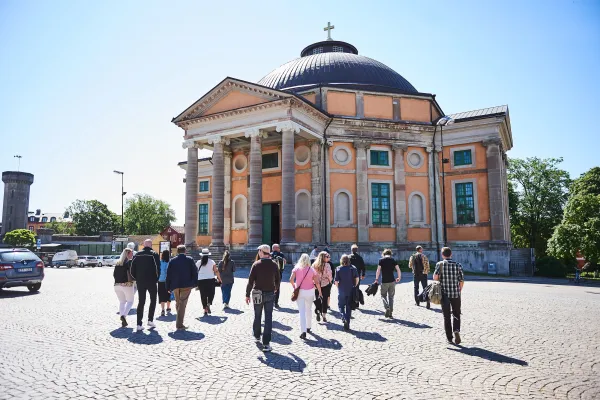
(314, 254)
(207, 269)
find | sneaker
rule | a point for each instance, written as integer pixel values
(450, 341)
(256, 339)
(162, 313)
(318, 317)
(276, 305)
(346, 326)
(308, 330)
(266, 348)
(208, 309)
(123, 321)
(387, 312)
(139, 328)
(324, 318)
(225, 306)
(417, 303)
(457, 338)
(169, 310)
(428, 305)
(151, 324)
(205, 313)
(390, 315)
(303, 336)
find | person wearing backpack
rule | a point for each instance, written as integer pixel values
(358, 262)
(420, 267)
(279, 259)
(451, 277)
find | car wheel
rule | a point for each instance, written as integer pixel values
(34, 288)
(81, 265)
(68, 266)
(100, 265)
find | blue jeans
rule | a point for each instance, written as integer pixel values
(226, 292)
(345, 305)
(267, 305)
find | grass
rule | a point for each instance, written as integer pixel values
(585, 275)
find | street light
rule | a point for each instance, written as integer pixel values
(19, 161)
(123, 193)
(444, 121)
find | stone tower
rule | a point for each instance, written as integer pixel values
(16, 200)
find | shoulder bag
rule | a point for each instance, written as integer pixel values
(297, 290)
(435, 294)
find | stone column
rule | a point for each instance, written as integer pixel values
(255, 198)
(362, 191)
(227, 199)
(434, 197)
(218, 192)
(288, 182)
(400, 193)
(191, 198)
(495, 189)
(316, 189)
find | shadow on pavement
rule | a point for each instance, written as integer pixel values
(410, 324)
(153, 337)
(212, 320)
(232, 311)
(322, 342)
(282, 362)
(489, 355)
(281, 327)
(278, 338)
(186, 335)
(285, 310)
(167, 318)
(593, 292)
(121, 333)
(371, 312)
(16, 293)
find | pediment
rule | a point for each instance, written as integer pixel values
(230, 94)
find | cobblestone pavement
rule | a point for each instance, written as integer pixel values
(519, 341)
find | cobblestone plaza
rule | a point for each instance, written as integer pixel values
(520, 340)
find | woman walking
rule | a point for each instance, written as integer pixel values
(346, 280)
(207, 269)
(322, 267)
(124, 284)
(304, 279)
(226, 269)
(164, 297)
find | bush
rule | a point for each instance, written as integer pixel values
(552, 267)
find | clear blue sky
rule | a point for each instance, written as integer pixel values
(89, 87)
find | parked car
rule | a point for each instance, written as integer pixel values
(87, 261)
(67, 258)
(20, 267)
(107, 261)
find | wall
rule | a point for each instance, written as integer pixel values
(378, 107)
(234, 100)
(341, 103)
(415, 110)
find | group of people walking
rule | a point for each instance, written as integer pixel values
(312, 279)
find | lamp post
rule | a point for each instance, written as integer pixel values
(123, 193)
(444, 121)
(19, 162)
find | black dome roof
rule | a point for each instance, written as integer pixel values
(333, 67)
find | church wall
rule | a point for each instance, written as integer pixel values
(378, 107)
(434, 113)
(239, 236)
(341, 103)
(234, 100)
(333, 165)
(419, 235)
(415, 110)
(312, 97)
(382, 234)
(271, 189)
(303, 235)
(344, 235)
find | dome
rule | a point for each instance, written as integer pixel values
(335, 63)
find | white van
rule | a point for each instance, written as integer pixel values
(68, 258)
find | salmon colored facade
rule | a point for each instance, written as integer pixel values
(341, 165)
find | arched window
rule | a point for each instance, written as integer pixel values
(52, 219)
(44, 219)
(240, 211)
(303, 207)
(342, 211)
(416, 208)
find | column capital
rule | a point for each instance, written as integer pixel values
(218, 140)
(190, 144)
(430, 149)
(361, 144)
(492, 142)
(400, 146)
(286, 126)
(255, 132)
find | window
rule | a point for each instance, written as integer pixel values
(31, 228)
(462, 157)
(53, 219)
(302, 207)
(380, 198)
(270, 160)
(202, 219)
(44, 219)
(338, 49)
(465, 203)
(31, 219)
(203, 186)
(379, 157)
(317, 50)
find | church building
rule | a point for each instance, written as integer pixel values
(337, 148)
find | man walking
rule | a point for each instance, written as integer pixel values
(145, 269)
(263, 282)
(358, 262)
(279, 259)
(346, 279)
(450, 275)
(419, 264)
(385, 268)
(181, 279)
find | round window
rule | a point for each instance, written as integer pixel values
(341, 155)
(240, 163)
(415, 159)
(302, 155)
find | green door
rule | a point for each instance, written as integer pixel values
(266, 223)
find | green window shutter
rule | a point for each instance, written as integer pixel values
(465, 203)
(380, 204)
(462, 157)
(203, 186)
(379, 157)
(270, 160)
(202, 219)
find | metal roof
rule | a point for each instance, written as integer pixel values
(344, 70)
(481, 113)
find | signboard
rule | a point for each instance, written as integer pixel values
(38, 244)
(165, 246)
(114, 246)
(492, 268)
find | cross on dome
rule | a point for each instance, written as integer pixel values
(328, 29)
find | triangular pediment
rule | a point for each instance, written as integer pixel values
(230, 94)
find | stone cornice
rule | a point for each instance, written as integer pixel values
(400, 146)
(383, 125)
(287, 126)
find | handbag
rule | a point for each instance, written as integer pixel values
(217, 283)
(297, 290)
(435, 294)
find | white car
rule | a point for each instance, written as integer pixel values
(87, 261)
(107, 261)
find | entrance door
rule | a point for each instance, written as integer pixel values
(270, 223)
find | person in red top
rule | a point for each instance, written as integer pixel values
(305, 278)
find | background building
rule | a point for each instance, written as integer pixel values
(16, 200)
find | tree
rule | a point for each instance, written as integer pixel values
(587, 183)
(145, 215)
(20, 238)
(91, 217)
(541, 192)
(61, 228)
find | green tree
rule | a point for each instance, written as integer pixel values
(145, 215)
(91, 217)
(540, 193)
(61, 228)
(20, 238)
(587, 183)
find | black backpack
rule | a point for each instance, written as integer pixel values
(418, 267)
